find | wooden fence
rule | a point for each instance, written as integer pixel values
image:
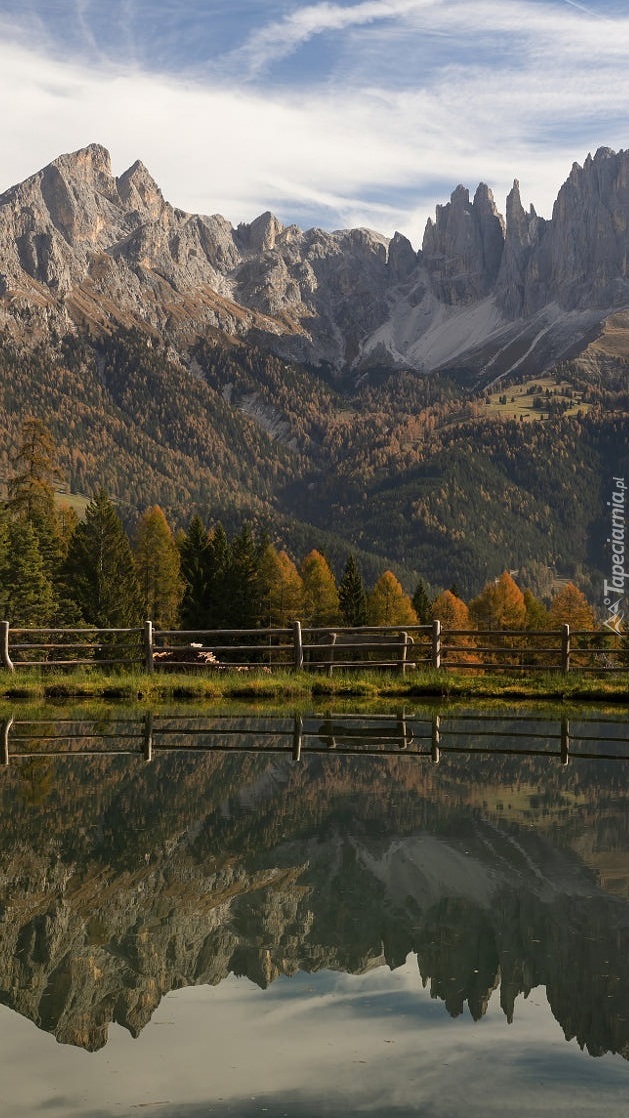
(383, 648)
(293, 736)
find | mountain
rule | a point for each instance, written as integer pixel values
(331, 386)
(81, 247)
(122, 881)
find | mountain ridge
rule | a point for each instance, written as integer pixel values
(86, 250)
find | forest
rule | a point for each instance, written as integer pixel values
(59, 570)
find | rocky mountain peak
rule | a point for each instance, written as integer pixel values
(462, 248)
(138, 190)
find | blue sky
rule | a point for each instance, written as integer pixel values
(329, 113)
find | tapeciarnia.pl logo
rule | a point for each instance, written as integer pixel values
(614, 590)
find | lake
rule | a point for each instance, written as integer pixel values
(420, 911)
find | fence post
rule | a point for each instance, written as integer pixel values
(148, 646)
(436, 644)
(435, 751)
(564, 752)
(148, 736)
(298, 647)
(565, 648)
(4, 647)
(6, 726)
(403, 653)
(298, 730)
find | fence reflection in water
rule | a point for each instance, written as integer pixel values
(400, 735)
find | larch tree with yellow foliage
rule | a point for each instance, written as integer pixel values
(570, 607)
(283, 588)
(158, 567)
(321, 598)
(453, 613)
(387, 604)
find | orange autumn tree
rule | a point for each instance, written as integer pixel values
(387, 604)
(283, 588)
(453, 613)
(321, 598)
(500, 606)
(570, 607)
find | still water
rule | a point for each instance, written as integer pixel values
(421, 913)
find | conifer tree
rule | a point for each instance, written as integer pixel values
(421, 604)
(352, 596)
(283, 588)
(536, 616)
(27, 593)
(99, 571)
(500, 605)
(158, 563)
(243, 598)
(31, 492)
(31, 486)
(194, 549)
(388, 604)
(321, 599)
(570, 607)
(220, 609)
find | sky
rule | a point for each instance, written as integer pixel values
(314, 1045)
(330, 113)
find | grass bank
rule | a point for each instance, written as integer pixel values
(31, 685)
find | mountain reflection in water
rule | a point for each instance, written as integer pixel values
(133, 865)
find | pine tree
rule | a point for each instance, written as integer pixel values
(219, 609)
(194, 549)
(421, 604)
(31, 492)
(352, 596)
(243, 595)
(388, 604)
(321, 599)
(158, 564)
(27, 593)
(99, 572)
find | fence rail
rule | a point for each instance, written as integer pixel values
(300, 647)
(432, 738)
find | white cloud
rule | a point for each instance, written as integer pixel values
(510, 90)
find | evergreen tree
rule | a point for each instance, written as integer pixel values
(158, 563)
(536, 616)
(421, 603)
(194, 549)
(31, 492)
(244, 589)
(388, 604)
(27, 593)
(221, 612)
(99, 572)
(321, 599)
(352, 596)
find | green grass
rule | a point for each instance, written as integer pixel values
(32, 685)
(520, 398)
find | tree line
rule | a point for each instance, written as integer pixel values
(58, 570)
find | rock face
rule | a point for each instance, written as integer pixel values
(82, 248)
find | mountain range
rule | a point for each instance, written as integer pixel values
(343, 369)
(482, 295)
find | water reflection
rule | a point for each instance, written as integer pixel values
(145, 856)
